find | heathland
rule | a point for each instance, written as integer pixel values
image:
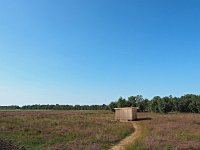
(173, 131)
(50, 130)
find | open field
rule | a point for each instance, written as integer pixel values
(168, 131)
(50, 130)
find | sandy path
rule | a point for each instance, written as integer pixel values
(128, 140)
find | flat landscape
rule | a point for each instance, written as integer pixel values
(174, 131)
(93, 130)
(99, 75)
(50, 130)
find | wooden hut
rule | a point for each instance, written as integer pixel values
(126, 114)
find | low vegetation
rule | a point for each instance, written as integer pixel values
(174, 131)
(50, 130)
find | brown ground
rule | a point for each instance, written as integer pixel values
(130, 139)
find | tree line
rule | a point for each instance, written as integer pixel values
(186, 103)
(66, 107)
(10, 107)
(58, 107)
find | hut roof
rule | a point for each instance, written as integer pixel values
(125, 108)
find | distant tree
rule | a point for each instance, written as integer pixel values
(139, 98)
(175, 107)
(143, 105)
(154, 104)
(167, 104)
(186, 103)
(121, 102)
(132, 101)
(10, 107)
(112, 105)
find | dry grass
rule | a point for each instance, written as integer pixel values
(51, 130)
(168, 131)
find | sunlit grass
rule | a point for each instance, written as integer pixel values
(42, 130)
(168, 132)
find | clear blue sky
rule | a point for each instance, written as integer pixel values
(93, 51)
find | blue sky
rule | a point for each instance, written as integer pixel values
(93, 51)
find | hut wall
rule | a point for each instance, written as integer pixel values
(125, 113)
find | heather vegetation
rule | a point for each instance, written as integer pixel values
(42, 130)
(172, 131)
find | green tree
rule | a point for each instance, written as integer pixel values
(132, 101)
(143, 105)
(154, 104)
(112, 105)
(121, 102)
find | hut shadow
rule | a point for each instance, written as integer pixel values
(143, 119)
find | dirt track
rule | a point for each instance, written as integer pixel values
(128, 140)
